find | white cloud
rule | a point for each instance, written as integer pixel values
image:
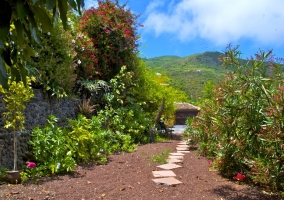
(219, 21)
(154, 5)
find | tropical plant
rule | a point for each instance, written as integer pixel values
(19, 24)
(53, 64)
(52, 150)
(15, 98)
(85, 108)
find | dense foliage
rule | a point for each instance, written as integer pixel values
(111, 29)
(53, 64)
(241, 125)
(19, 25)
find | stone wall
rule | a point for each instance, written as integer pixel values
(36, 113)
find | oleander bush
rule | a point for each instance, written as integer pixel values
(241, 125)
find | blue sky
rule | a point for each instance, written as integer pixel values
(186, 27)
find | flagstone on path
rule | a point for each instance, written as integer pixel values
(183, 145)
(176, 157)
(177, 154)
(183, 151)
(174, 160)
(169, 166)
(167, 181)
(181, 148)
(166, 173)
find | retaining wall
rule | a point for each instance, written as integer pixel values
(36, 113)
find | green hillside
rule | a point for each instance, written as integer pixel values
(190, 73)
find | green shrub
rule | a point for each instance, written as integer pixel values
(242, 124)
(53, 64)
(52, 149)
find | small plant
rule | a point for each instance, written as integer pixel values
(52, 149)
(85, 108)
(15, 98)
(160, 157)
(3, 174)
(143, 153)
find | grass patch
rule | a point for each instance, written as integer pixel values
(160, 157)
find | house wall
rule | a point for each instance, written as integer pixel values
(182, 115)
(36, 113)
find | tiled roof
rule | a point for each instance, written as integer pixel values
(186, 106)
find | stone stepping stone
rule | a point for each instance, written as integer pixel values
(176, 157)
(183, 151)
(184, 142)
(183, 145)
(174, 160)
(168, 173)
(181, 148)
(167, 181)
(177, 154)
(169, 166)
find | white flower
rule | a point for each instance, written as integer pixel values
(83, 48)
(79, 62)
(36, 54)
(48, 33)
(73, 41)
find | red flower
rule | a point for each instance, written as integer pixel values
(30, 164)
(240, 177)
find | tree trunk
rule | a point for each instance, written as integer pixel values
(156, 120)
(15, 151)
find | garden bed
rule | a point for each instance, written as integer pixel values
(128, 176)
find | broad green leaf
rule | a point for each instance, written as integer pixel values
(4, 33)
(28, 52)
(63, 7)
(44, 19)
(15, 75)
(21, 10)
(1, 45)
(31, 17)
(23, 73)
(19, 30)
(51, 4)
(73, 4)
(26, 29)
(80, 3)
(3, 74)
(34, 34)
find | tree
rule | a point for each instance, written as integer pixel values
(112, 32)
(19, 23)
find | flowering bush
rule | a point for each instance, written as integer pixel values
(241, 125)
(110, 29)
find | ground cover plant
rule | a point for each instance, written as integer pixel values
(241, 126)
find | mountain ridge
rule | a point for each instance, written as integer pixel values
(190, 73)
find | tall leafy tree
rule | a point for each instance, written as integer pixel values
(19, 22)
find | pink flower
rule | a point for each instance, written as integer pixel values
(240, 177)
(31, 165)
(209, 162)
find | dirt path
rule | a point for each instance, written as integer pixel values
(129, 176)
